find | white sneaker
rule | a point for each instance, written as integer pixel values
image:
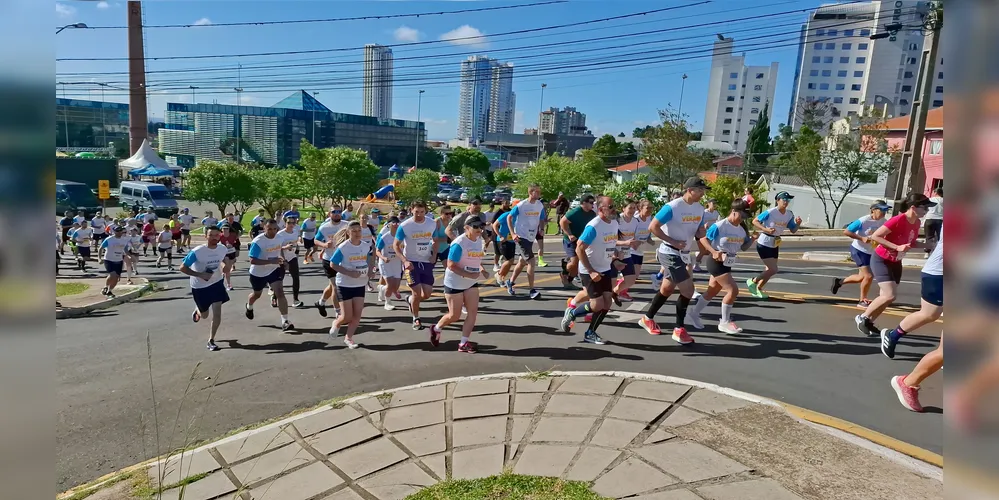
(334, 332)
(693, 319)
(656, 282)
(389, 306)
(464, 310)
(381, 293)
(729, 328)
(350, 343)
(496, 269)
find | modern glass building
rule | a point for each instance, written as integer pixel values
(90, 124)
(272, 136)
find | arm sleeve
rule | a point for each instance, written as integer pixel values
(190, 259)
(337, 257)
(665, 214)
(589, 234)
(320, 236)
(712, 234)
(454, 255)
(104, 244)
(855, 226)
(791, 224)
(400, 234)
(254, 250)
(764, 216)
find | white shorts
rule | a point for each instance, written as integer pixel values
(391, 269)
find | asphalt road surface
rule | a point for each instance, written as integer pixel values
(800, 347)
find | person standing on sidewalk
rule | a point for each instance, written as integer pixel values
(524, 221)
(860, 231)
(350, 261)
(267, 268)
(112, 251)
(933, 222)
(206, 265)
(772, 223)
(461, 282)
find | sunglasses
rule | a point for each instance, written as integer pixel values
(336, 211)
(447, 214)
(480, 227)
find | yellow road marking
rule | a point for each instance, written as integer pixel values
(863, 432)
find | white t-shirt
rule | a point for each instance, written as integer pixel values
(779, 221)
(935, 213)
(629, 231)
(206, 260)
(185, 221)
(82, 236)
(309, 228)
(99, 224)
(864, 226)
(726, 237)
(325, 233)
(265, 248)
(291, 237)
(148, 217)
(934, 263)
(417, 239)
(468, 255)
(209, 221)
(680, 221)
(601, 238)
(642, 233)
(385, 243)
(353, 257)
(165, 239)
(116, 247)
(526, 218)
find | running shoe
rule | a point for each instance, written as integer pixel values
(888, 342)
(591, 337)
(863, 304)
(321, 307)
(649, 326)
(499, 282)
(334, 331)
(464, 310)
(389, 306)
(535, 294)
(569, 304)
(110, 295)
(495, 269)
(681, 337)
(249, 311)
(195, 316)
(467, 347)
(273, 300)
(729, 328)
(287, 326)
(212, 346)
(435, 336)
(657, 281)
(866, 326)
(753, 289)
(509, 288)
(104, 291)
(371, 287)
(381, 293)
(568, 321)
(697, 268)
(541, 262)
(837, 284)
(228, 287)
(625, 296)
(616, 299)
(350, 343)
(298, 304)
(566, 281)
(694, 319)
(908, 396)
(417, 324)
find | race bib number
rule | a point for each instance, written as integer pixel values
(471, 269)
(729, 261)
(362, 270)
(685, 257)
(423, 249)
(611, 252)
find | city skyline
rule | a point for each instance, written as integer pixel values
(486, 102)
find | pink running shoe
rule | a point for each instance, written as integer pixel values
(908, 396)
(588, 318)
(624, 296)
(681, 337)
(649, 326)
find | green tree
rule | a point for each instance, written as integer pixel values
(337, 175)
(557, 174)
(504, 176)
(274, 189)
(758, 148)
(430, 159)
(219, 183)
(667, 154)
(418, 185)
(621, 134)
(460, 158)
(628, 153)
(609, 151)
(636, 189)
(474, 182)
(640, 132)
(727, 188)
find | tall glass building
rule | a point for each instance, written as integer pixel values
(90, 124)
(272, 136)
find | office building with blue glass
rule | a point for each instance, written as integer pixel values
(273, 135)
(84, 124)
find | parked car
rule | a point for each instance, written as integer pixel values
(148, 195)
(75, 196)
(443, 194)
(464, 196)
(455, 195)
(501, 195)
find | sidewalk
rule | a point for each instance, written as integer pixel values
(625, 434)
(91, 299)
(845, 257)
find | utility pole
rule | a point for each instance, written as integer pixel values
(912, 154)
(542, 110)
(104, 128)
(419, 107)
(194, 96)
(679, 107)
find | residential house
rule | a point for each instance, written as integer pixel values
(931, 175)
(628, 171)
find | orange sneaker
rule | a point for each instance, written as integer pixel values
(649, 326)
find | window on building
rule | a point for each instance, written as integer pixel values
(823, 86)
(847, 46)
(729, 109)
(854, 100)
(732, 87)
(858, 74)
(756, 98)
(813, 72)
(830, 46)
(760, 76)
(913, 46)
(730, 98)
(847, 32)
(906, 88)
(844, 60)
(865, 32)
(818, 46)
(862, 46)
(911, 60)
(903, 102)
(908, 74)
(855, 86)
(733, 75)
(816, 59)
(841, 73)
(837, 100)
(755, 111)
(832, 32)
(757, 88)
(939, 89)
(827, 72)
(936, 147)
(726, 132)
(811, 86)
(836, 112)
(827, 60)
(940, 75)
(820, 32)
(861, 60)
(840, 86)
(937, 103)
(727, 121)
(752, 122)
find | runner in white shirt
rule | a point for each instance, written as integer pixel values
(860, 230)
(771, 224)
(112, 251)
(206, 265)
(599, 264)
(100, 226)
(82, 236)
(149, 216)
(389, 265)
(629, 225)
(267, 268)
(523, 223)
(461, 282)
(209, 221)
(725, 238)
(132, 256)
(291, 234)
(415, 244)
(186, 220)
(324, 240)
(309, 228)
(164, 245)
(710, 217)
(369, 232)
(350, 261)
(79, 218)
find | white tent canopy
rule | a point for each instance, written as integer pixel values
(145, 157)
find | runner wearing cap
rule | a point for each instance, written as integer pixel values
(860, 231)
(350, 261)
(629, 225)
(389, 265)
(896, 237)
(324, 240)
(206, 265)
(415, 245)
(771, 223)
(186, 221)
(523, 224)
(113, 249)
(461, 282)
(725, 239)
(503, 247)
(675, 224)
(309, 228)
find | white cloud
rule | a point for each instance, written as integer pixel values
(63, 10)
(407, 34)
(102, 5)
(466, 35)
(204, 21)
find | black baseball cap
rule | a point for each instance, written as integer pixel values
(740, 205)
(394, 219)
(588, 199)
(918, 200)
(784, 195)
(695, 182)
(119, 229)
(475, 221)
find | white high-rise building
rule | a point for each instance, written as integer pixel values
(565, 121)
(378, 81)
(736, 96)
(487, 102)
(840, 66)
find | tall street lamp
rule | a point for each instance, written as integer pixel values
(74, 25)
(419, 107)
(543, 85)
(193, 94)
(679, 107)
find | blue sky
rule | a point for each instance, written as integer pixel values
(618, 92)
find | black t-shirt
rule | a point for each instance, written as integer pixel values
(561, 207)
(498, 213)
(66, 222)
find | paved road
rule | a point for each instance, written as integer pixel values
(802, 349)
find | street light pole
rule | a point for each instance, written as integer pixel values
(679, 107)
(194, 96)
(540, 111)
(74, 25)
(104, 127)
(419, 108)
(236, 124)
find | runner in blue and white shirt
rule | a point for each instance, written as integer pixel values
(82, 236)
(206, 265)
(629, 225)
(257, 223)
(309, 228)
(113, 250)
(209, 221)
(415, 243)
(860, 230)
(325, 240)
(267, 268)
(771, 224)
(524, 221)
(186, 221)
(710, 217)
(389, 265)
(350, 261)
(149, 216)
(461, 282)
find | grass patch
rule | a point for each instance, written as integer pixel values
(534, 376)
(508, 487)
(384, 398)
(87, 491)
(70, 288)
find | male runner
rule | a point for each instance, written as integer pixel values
(100, 226)
(523, 225)
(497, 252)
(113, 250)
(82, 236)
(186, 221)
(149, 216)
(504, 247)
(65, 225)
(628, 223)
(572, 225)
(209, 221)
(415, 246)
(309, 228)
(267, 267)
(325, 240)
(676, 224)
(771, 224)
(257, 223)
(206, 264)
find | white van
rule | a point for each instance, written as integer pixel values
(148, 194)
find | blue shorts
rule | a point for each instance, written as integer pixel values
(569, 248)
(205, 297)
(260, 282)
(83, 251)
(113, 267)
(421, 274)
(861, 258)
(766, 252)
(932, 290)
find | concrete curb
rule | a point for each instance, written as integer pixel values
(840, 257)
(75, 312)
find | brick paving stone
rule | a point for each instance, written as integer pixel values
(254, 444)
(690, 461)
(682, 416)
(757, 489)
(481, 406)
(409, 417)
(371, 405)
(325, 420)
(423, 441)
(362, 460)
(271, 464)
(616, 433)
(630, 477)
(660, 391)
(416, 396)
(591, 463)
(526, 403)
(436, 464)
(175, 469)
(571, 429)
(210, 486)
(342, 437)
(645, 410)
(572, 404)
(299, 485)
(659, 435)
(344, 494)
(479, 431)
(668, 495)
(477, 462)
(398, 482)
(528, 385)
(520, 426)
(714, 403)
(481, 387)
(591, 385)
(545, 459)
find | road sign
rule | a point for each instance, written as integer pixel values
(103, 189)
